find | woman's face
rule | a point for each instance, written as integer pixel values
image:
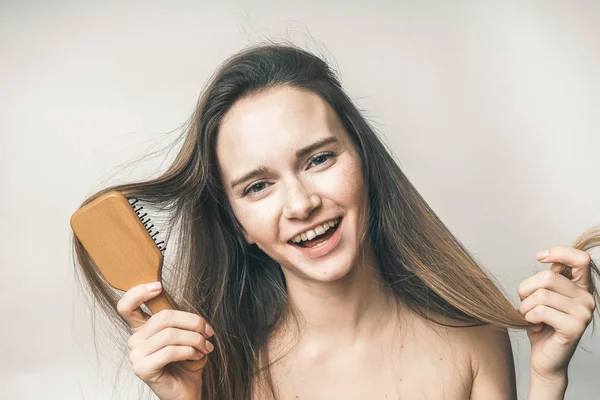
(288, 165)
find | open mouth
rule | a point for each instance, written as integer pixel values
(317, 240)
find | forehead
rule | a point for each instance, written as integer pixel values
(272, 125)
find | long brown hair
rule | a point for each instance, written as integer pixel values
(237, 287)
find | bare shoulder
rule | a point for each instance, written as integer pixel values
(492, 362)
(486, 354)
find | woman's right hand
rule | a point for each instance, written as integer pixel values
(161, 339)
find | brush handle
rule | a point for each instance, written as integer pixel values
(161, 302)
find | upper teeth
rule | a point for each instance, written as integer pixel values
(319, 230)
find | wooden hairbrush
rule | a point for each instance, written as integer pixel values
(118, 237)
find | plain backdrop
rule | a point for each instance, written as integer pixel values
(491, 108)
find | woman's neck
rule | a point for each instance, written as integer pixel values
(345, 311)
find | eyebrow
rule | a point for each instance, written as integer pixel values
(260, 170)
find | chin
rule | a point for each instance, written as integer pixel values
(328, 271)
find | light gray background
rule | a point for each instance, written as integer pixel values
(492, 109)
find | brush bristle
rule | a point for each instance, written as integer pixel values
(154, 235)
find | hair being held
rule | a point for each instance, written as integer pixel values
(239, 289)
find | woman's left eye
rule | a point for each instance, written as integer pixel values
(321, 158)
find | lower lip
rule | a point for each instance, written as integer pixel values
(323, 249)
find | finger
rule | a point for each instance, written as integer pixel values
(562, 269)
(537, 327)
(175, 319)
(548, 280)
(578, 260)
(129, 305)
(557, 301)
(150, 366)
(565, 324)
(178, 337)
(558, 268)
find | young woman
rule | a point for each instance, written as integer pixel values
(309, 267)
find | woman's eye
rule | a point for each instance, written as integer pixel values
(321, 158)
(256, 188)
(315, 160)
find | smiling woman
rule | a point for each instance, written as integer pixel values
(309, 175)
(309, 267)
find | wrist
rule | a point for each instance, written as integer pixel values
(547, 388)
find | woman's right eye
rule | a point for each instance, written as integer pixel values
(255, 188)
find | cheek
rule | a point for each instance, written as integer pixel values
(352, 194)
(346, 185)
(258, 221)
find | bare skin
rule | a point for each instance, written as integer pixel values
(288, 165)
(353, 341)
(416, 361)
(164, 338)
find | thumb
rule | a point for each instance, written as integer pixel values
(129, 305)
(570, 262)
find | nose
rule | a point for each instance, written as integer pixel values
(300, 203)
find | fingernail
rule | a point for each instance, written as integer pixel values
(210, 346)
(201, 354)
(154, 287)
(209, 330)
(542, 254)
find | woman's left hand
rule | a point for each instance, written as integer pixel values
(561, 307)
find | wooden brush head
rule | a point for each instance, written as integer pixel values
(117, 241)
(119, 244)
